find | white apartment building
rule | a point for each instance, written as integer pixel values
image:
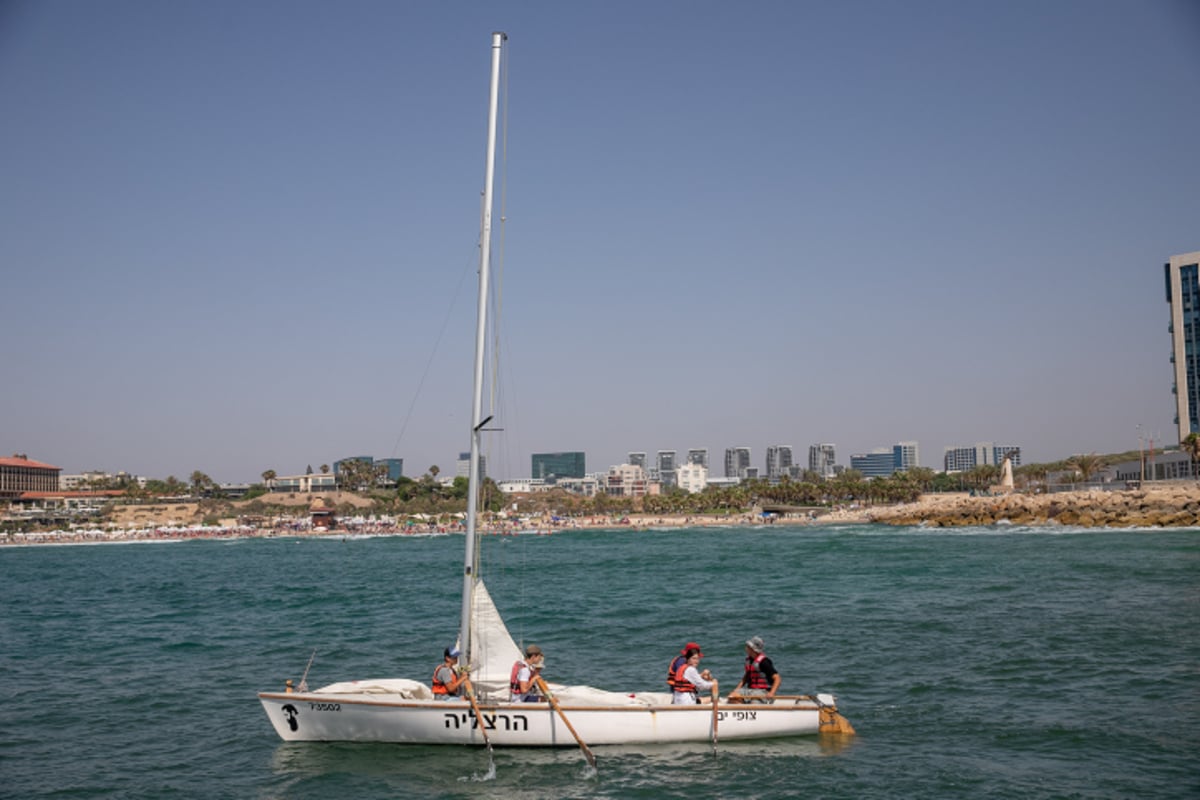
(692, 477)
(628, 480)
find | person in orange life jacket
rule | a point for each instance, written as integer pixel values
(677, 662)
(760, 679)
(447, 682)
(521, 684)
(690, 682)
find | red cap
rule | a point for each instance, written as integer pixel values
(689, 646)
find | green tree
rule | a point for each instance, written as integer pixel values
(1032, 474)
(923, 476)
(200, 482)
(1086, 465)
(324, 469)
(982, 476)
(406, 488)
(268, 475)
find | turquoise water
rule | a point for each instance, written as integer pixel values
(974, 663)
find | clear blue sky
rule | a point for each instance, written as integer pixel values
(238, 236)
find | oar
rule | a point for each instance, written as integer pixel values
(715, 697)
(591, 759)
(478, 714)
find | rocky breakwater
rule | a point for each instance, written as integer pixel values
(1175, 506)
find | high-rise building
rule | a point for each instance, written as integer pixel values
(999, 451)
(698, 455)
(692, 477)
(337, 465)
(876, 464)
(1182, 274)
(462, 467)
(392, 468)
(550, 467)
(961, 459)
(387, 470)
(637, 460)
(664, 463)
(737, 461)
(906, 455)
(779, 458)
(821, 458)
(626, 480)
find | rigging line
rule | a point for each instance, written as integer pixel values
(428, 364)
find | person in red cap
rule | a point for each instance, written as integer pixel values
(690, 682)
(678, 661)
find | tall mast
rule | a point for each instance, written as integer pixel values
(477, 421)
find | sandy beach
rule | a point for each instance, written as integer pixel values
(1169, 505)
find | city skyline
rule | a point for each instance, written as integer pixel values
(236, 236)
(963, 457)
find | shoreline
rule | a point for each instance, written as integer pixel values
(1176, 506)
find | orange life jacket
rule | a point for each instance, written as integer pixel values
(682, 684)
(671, 670)
(438, 686)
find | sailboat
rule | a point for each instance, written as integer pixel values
(406, 711)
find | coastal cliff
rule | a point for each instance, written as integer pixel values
(1174, 506)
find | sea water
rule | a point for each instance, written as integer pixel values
(981, 662)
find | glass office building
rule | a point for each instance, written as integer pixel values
(1182, 277)
(552, 466)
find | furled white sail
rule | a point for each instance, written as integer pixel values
(493, 651)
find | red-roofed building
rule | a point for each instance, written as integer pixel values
(19, 474)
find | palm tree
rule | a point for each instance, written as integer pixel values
(923, 476)
(324, 469)
(1033, 473)
(268, 475)
(1191, 446)
(982, 476)
(1086, 465)
(199, 481)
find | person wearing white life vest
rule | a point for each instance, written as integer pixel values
(522, 684)
(690, 682)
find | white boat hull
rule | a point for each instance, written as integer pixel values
(319, 717)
